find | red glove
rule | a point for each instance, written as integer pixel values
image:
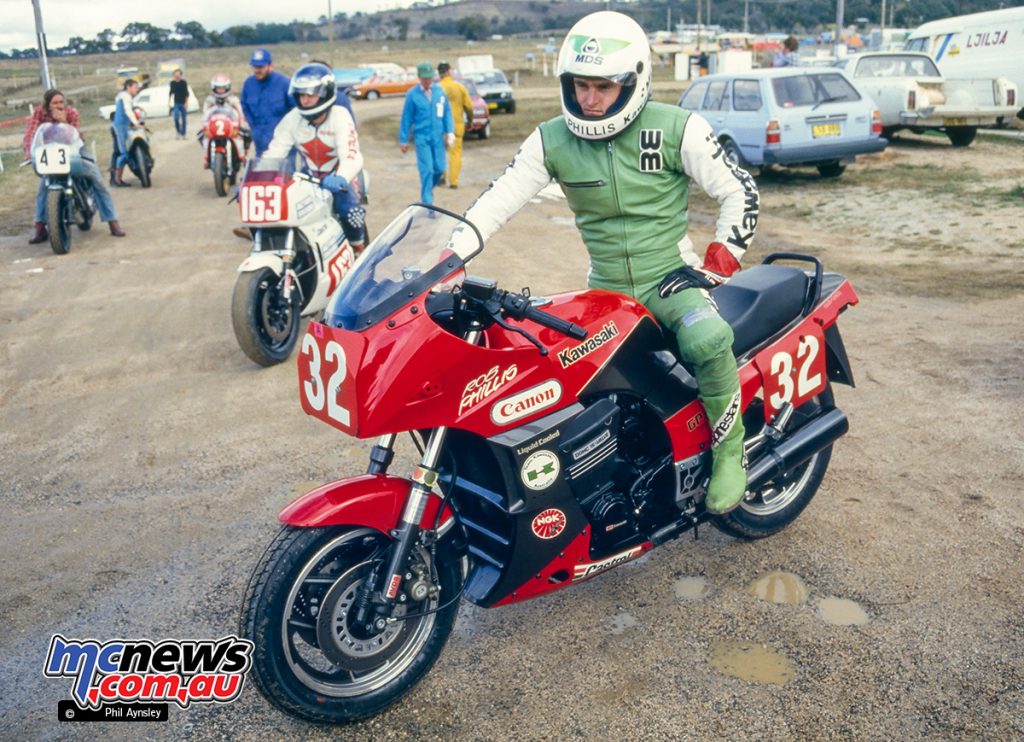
(719, 261)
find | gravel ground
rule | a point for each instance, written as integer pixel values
(144, 459)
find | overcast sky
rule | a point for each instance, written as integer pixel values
(63, 19)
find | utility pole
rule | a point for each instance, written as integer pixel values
(44, 68)
(700, 4)
(330, 23)
(839, 26)
(746, 16)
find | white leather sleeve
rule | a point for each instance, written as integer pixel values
(732, 187)
(350, 158)
(522, 179)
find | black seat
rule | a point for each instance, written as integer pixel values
(760, 301)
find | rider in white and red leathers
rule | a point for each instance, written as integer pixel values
(221, 100)
(324, 134)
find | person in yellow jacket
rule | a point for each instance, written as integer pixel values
(462, 108)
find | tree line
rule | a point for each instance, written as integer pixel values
(786, 16)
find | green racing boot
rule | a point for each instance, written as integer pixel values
(728, 468)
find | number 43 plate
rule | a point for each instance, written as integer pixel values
(328, 361)
(793, 369)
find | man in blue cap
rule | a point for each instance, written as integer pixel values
(265, 99)
(429, 115)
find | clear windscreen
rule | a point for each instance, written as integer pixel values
(422, 248)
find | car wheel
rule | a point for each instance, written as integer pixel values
(831, 169)
(485, 133)
(372, 95)
(511, 107)
(732, 153)
(961, 136)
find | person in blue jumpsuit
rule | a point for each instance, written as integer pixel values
(124, 118)
(429, 116)
(265, 99)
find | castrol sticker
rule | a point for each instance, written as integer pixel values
(540, 470)
(526, 402)
(549, 523)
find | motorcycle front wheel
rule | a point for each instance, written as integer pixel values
(219, 168)
(266, 325)
(779, 502)
(57, 221)
(139, 156)
(311, 659)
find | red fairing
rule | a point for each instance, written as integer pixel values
(372, 500)
(571, 566)
(406, 372)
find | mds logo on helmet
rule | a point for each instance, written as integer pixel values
(590, 48)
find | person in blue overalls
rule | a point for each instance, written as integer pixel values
(265, 99)
(124, 117)
(429, 116)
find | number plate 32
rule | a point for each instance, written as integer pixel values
(328, 361)
(793, 370)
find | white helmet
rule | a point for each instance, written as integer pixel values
(610, 46)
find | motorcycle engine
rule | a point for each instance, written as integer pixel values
(619, 466)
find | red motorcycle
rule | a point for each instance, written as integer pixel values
(561, 436)
(224, 151)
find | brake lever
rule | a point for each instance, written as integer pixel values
(496, 316)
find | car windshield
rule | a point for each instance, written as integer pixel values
(422, 248)
(491, 77)
(793, 91)
(896, 66)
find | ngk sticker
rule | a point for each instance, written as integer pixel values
(526, 403)
(540, 470)
(549, 523)
(485, 385)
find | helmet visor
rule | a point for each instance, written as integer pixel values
(626, 79)
(309, 85)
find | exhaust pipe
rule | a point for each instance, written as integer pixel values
(797, 447)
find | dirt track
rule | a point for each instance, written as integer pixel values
(144, 458)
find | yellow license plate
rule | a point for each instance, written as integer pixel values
(954, 122)
(492, 106)
(825, 130)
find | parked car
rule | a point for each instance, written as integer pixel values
(494, 87)
(153, 101)
(480, 126)
(911, 93)
(381, 84)
(788, 116)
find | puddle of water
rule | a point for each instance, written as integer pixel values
(779, 587)
(842, 612)
(621, 623)
(691, 588)
(755, 663)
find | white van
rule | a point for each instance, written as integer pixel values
(977, 45)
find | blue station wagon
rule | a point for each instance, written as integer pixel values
(788, 116)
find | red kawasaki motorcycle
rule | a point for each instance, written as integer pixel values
(224, 149)
(560, 437)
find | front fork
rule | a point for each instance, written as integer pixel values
(287, 275)
(382, 589)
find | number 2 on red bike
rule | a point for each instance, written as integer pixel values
(298, 259)
(224, 154)
(560, 437)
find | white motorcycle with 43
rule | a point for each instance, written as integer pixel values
(299, 256)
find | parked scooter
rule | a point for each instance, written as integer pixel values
(299, 256)
(69, 200)
(140, 155)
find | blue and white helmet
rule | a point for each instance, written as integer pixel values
(317, 79)
(609, 46)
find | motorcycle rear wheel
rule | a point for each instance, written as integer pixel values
(57, 224)
(140, 166)
(780, 502)
(309, 659)
(83, 211)
(219, 168)
(265, 326)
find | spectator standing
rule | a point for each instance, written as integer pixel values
(428, 116)
(124, 116)
(787, 56)
(55, 110)
(265, 99)
(178, 102)
(462, 109)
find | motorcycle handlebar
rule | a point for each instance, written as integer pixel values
(519, 307)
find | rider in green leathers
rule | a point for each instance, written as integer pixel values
(625, 165)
